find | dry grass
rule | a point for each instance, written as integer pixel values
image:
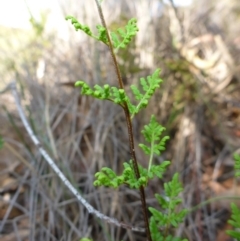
(82, 135)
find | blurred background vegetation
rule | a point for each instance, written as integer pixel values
(198, 49)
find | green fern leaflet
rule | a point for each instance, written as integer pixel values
(149, 86)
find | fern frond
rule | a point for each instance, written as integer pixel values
(158, 170)
(152, 133)
(169, 203)
(155, 234)
(120, 38)
(102, 36)
(119, 96)
(108, 178)
(106, 92)
(174, 187)
(123, 36)
(159, 236)
(149, 86)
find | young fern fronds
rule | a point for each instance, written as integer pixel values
(101, 30)
(152, 133)
(169, 217)
(108, 178)
(120, 38)
(149, 86)
(123, 36)
(235, 222)
(106, 92)
(119, 96)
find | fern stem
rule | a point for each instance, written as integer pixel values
(129, 122)
(136, 170)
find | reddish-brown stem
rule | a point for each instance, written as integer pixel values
(129, 123)
(136, 170)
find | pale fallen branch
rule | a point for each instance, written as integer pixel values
(59, 173)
